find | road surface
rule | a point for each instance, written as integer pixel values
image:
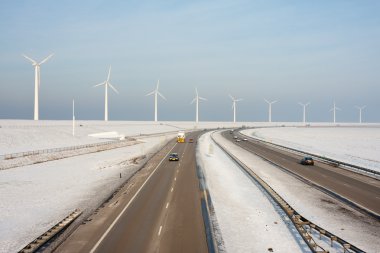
(362, 190)
(158, 210)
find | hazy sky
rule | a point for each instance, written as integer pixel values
(291, 51)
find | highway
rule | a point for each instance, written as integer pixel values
(158, 210)
(362, 190)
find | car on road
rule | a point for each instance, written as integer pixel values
(191, 140)
(307, 160)
(173, 157)
(235, 137)
(245, 139)
(238, 140)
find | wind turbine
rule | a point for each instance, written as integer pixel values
(304, 111)
(270, 109)
(360, 108)
(156, 94)
(234, 100)
(334, 109)
(106, 83)
(196, 100)
(37, 81)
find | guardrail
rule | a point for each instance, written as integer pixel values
(333, 162)
(54, 150)
(45, 237)
(303, 225)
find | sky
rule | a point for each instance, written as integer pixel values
(291, 51)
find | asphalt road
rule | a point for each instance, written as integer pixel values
(362, 190)
(159, 210)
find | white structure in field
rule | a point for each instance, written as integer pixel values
(37, 82)
(106, 83)
(196, 100)
(334, 109)
(270, 109)
(73, 118)
(156, 94)
(360, 108)
(234, 100)
(304, 111)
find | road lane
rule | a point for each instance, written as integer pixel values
(359, 189)
(164, 216)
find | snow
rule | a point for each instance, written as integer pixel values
(319, 208)
(355, 145)
(249, 222)
(35, 197)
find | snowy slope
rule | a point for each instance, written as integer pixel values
(356, 145)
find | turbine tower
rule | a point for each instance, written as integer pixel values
(360, 108)
(334, 109)
(37, 81)
(196, 100)
(304, 111)
(270, 109)
(234, 100)
(156, 94)
(106, 83)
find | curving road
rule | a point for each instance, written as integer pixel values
(359, 189)
(158, 210)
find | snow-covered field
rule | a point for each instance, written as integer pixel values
(356, 145)
(242, 217)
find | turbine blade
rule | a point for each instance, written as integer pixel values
(113, 88)
(158, 84)
(196, 92)
(266, 101)
(192, 101)
(161, 95)
(274, 101)
(231, 97)
(30, 59)
(239, 99)
(150, 93)
(201, 98)
(46, 59)
(99, 84)
(109, 74)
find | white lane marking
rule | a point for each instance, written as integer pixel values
(167, 204)
(175, 179)
(129, 203)
(159, 231)
(171, 190)
(177, 170)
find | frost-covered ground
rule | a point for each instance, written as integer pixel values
(34, 198)
(356, 145)
(29, 135)
(240, 215)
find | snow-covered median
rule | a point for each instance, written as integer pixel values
(249, 222)
(355, 145)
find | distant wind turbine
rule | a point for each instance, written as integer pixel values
(196, 100)
(37, 81)
(270, 109)
(360, 108)
(304, 111)
(156, 94)
(106, 83)
(234, 100)
(334, 109)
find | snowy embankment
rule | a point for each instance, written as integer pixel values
(241, 210)
(35, 197)
(355, 145)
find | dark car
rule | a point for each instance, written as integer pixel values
(173, 157)
(307, 160)
(191, 140)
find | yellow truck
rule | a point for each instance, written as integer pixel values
(181, 137)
